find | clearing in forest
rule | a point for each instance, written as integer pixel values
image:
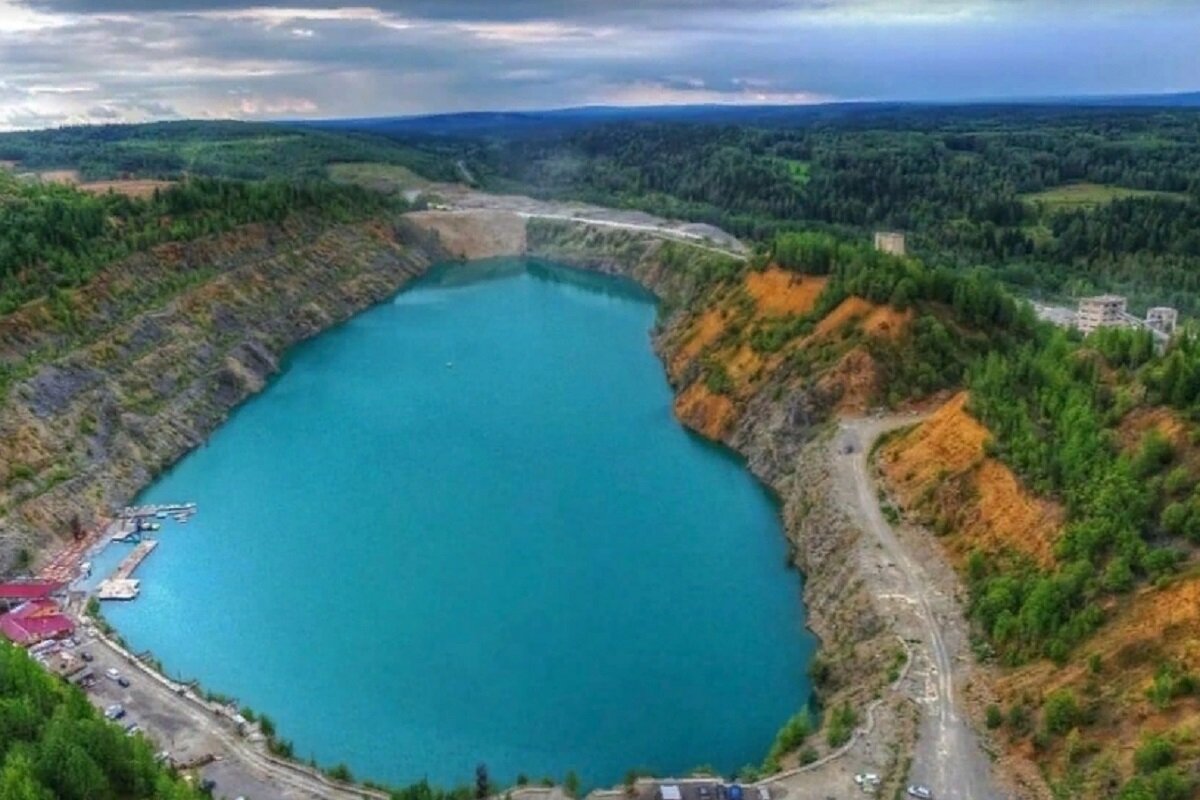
(1076, 196)
(138, 189)
(380, 177)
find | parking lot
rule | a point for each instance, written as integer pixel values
(188, 733)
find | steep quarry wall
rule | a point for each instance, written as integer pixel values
(161, 347)
(155, 375)
(474, 234)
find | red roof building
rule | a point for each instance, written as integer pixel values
(20, 591)
(36, 621)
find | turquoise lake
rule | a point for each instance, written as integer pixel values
(465, 527)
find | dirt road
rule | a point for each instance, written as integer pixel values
(663, 230)
(459, 198)
(948, 758)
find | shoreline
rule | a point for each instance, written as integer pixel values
(811, 555)
(718, 449)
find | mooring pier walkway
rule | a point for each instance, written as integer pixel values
(131, 512)
(120, 586)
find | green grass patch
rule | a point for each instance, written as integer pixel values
(1076, 196)
(800, 171)
(378, 176)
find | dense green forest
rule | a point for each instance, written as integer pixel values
(1059, 202)
(971, 188)
(54, 745)
(239, 150)
(56, 237)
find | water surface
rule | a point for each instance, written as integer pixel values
(464, 527)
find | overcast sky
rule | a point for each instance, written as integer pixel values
(71, 61)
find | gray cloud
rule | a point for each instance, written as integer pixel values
(66, 61)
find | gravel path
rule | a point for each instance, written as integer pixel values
(948, 757)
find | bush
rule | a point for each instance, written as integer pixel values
(1019, 720)
(1061, 712)
(1170, 682)
(1178, 481)
(20, 472)
(717, 380)
(994, 717)
(340, 772)
(791, 735)
(748, 774)
(820, 672)
(281, 747)
(1154, 753)
(1165, 784)
(1156, 452)
(841, 725)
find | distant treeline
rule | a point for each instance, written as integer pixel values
(960, 183)
(238, 150)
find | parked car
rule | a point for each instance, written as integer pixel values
(764, 793)
(705, 793)
(207, 785)
(132, 728)
(86, 656)
(123, 682)
(920, 791)
(115, 711)
(113, 673)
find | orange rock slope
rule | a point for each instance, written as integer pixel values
(939, 470)
(719, 338)
(778, 292)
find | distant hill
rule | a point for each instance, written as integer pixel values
(473, 124)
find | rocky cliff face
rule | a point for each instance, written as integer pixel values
(149, 358)
(476, 234)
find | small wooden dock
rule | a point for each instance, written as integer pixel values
(120, 586)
